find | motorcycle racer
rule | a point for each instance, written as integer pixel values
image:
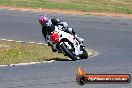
(48, 27)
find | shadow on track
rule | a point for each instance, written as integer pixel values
(59, 59)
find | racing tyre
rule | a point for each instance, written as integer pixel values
(84, 54)
(67, 52)
(81, 80)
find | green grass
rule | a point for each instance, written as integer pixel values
(116, 6)
(13, 53)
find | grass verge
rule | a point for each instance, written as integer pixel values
(114, 6)
(13, 53)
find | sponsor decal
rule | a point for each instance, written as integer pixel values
(82, 78)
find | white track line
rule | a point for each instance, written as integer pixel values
(11, 9)
(24, 10)
(31, 63)
(3, 65)
(41, 43)
(32, 42)
(3, 39)
(19, 41)
(10, 40)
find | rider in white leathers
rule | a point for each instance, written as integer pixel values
(47, 27)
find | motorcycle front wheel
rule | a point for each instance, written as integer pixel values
(67, 52)
(84, 54)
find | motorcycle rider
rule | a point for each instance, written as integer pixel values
(48, 28)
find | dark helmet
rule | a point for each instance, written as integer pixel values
(55, 21)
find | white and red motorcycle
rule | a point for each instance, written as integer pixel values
(66, 43)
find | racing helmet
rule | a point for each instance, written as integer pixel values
(43, 20)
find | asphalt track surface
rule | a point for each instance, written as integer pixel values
(111, 37)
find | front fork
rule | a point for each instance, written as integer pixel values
(78, 50)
